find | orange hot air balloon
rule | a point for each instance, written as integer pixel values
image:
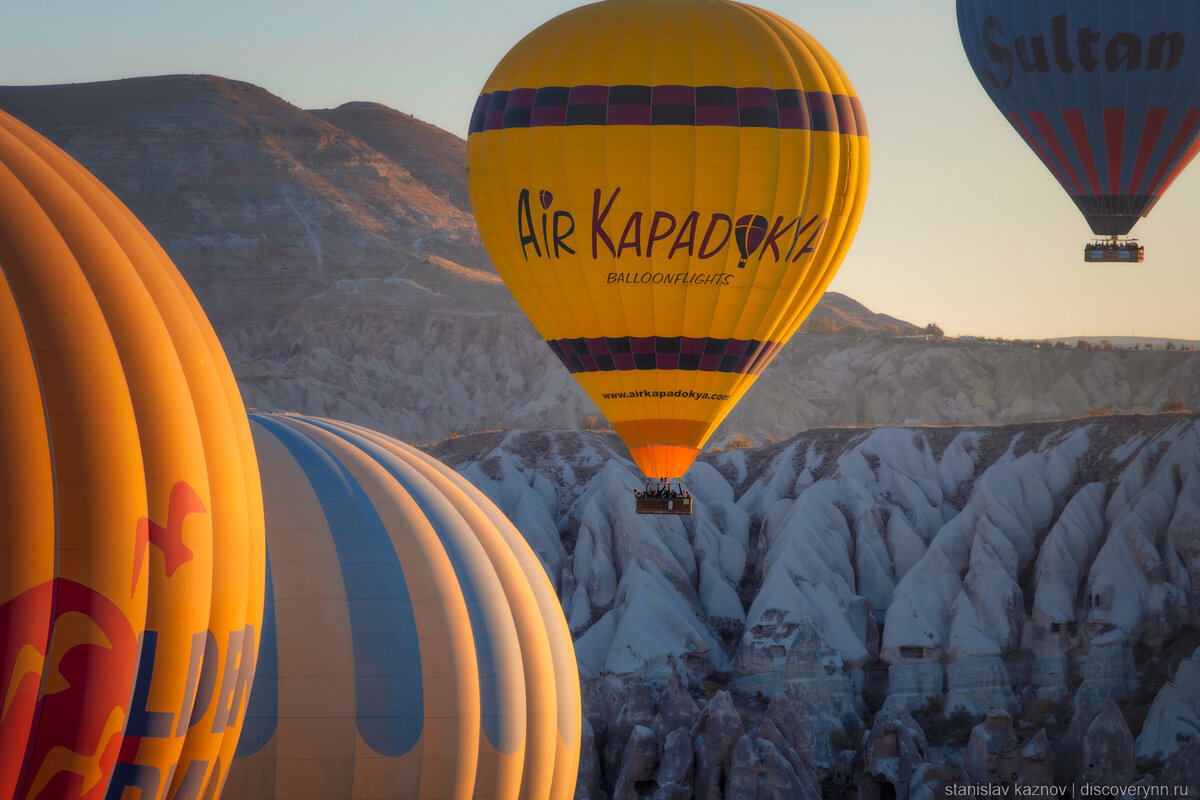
(130, 510)
(667, 187)
(412, 644)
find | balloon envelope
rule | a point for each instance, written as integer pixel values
(130, 510)
(1105, 92)
(412, 644)
(667, 187)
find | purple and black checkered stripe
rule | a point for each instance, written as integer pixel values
(604, 354)
(747, 107)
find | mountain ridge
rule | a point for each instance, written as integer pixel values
(334, 252)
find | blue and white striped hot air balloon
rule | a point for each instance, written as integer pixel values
(412, 644)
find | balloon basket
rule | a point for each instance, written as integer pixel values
(1114, 251)
(664, 500)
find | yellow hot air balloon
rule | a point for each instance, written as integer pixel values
(131, 521)
(667, 187)
(412, 644)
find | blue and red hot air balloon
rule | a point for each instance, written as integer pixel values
(1106, 92)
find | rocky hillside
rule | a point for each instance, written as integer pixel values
(900, 607)
(820, 381)
(431, 155)
(335, 253)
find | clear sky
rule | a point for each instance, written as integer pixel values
(964, 226)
